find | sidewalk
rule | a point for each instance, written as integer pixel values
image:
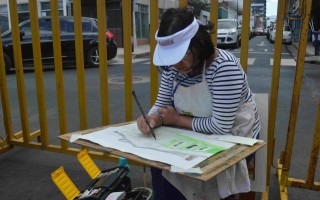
(310, 57)
(138, 51)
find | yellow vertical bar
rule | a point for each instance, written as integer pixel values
(245, 34)
(55, 23)
(296, 91)
(4, 96)
(19, 71)
(183, 3)
(154, 22)
(214, 9)
(314, 151)
(127, 32)
(274, 95)
(103, 64)
(38, 71)
(80, 63)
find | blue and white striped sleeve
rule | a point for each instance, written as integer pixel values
(165, 91)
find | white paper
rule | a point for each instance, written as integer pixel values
(176, 147)
(74, 137)
(234, 139)
(116, 196)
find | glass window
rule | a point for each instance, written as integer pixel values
(25, 26)
(142, 22)
(45, 8)
(66, 26)
(45, 25)
(4, 10)
(226, 24)
(23, 7)
(86, 26)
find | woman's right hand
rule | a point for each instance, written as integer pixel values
(154, 121)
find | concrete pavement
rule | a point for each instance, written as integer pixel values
(310, 57)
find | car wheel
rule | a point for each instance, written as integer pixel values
(93, 57)
(7, 63)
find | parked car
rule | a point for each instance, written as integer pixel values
(90, 42)
(229, 32)
(269, 29)
(251, 32)
(259, 31)
(287, 34)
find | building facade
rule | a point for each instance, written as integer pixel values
(141, 15)
(258, 13)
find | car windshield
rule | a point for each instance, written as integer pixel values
(286, 28)
(7, 33)
(226, 24)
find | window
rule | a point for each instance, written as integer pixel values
(86, 26)
(45, 25)
(26, 28)
(142, 22)
(23, 12)
(45, 8)
(226, 25)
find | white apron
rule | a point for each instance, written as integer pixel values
(197, 100)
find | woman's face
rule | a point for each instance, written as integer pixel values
(188, 61)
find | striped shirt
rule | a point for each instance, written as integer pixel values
(228, 86)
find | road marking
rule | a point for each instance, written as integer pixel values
(261, 44)
(250, 60)
(285, 62)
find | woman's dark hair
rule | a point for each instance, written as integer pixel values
(176, 19)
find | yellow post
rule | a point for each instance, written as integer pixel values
(315, 151)
(274, 89)
(296, 93)
(183, 3)
(4, 96)
(214, 9)
(154, 23)
(103, 63)
(38, 71)
(80, 63)
(245, 34)
(58, 70)
(19, 71)
(127, 33)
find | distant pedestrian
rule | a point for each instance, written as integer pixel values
(315, 37)
(316, 42)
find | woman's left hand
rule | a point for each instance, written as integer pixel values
(169, 115)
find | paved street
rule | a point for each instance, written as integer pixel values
(25, 173)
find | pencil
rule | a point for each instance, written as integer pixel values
(142, 112)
